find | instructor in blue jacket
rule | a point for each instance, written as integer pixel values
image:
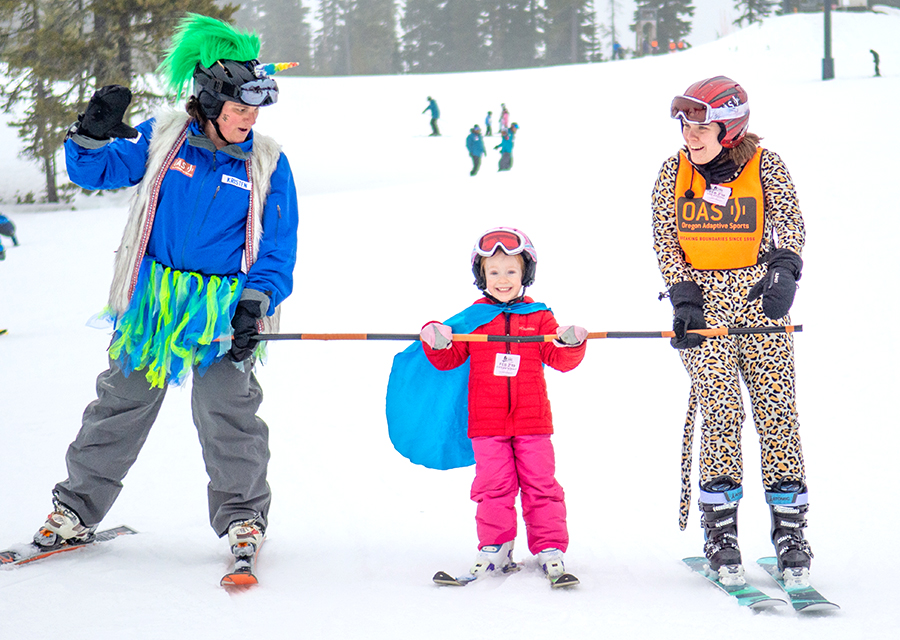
(206, 259)
(475, 145)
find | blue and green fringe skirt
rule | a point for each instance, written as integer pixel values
(176, 320)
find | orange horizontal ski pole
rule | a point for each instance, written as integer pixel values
(479, 337)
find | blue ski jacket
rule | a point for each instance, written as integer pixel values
(475, 144)
(200, 222)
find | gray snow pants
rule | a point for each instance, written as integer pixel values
(234, 440)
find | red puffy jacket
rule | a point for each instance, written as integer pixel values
(503, 405)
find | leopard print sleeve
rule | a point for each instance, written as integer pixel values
(784, 221)
(672, 264)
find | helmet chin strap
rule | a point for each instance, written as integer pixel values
(215, 124)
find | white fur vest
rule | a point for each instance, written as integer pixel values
(168, 134)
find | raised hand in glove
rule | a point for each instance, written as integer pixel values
(779, 285)
(245, 335)
(437, 335)
(570, 336)
(102, 119)
(687, 302)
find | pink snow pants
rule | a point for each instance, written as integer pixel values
(504, 466)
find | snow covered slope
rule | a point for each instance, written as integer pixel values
(388, 218)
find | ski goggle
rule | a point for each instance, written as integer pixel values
(698, 112)
(259, 93)
(512, 243)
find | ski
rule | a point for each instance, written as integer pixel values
(803, 597)
(241, 575)
(2, 331)
(31, 552)
(563, 581)
(446, 580)
(745, 594)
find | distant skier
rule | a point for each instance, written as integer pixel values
(488, 131)
(435, 115)
(506, 147)
(475, 145)
(504, 118)
(8, 229)
(877, 60)
(743, 275)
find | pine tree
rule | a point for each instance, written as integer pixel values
(511, 30)
(670, 23)
(372, 27)
(422, 39)
(42, 53)
(283, 27)
(443, 35)
(571, 33)
(332, 41)
(753, 10)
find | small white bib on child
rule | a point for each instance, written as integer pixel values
(506, 364)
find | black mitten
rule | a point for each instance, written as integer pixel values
(687, 302)
(103, 117)
(245, 335)
(779, 285)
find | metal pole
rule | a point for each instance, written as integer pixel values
(827, 61)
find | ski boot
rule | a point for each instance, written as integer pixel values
(788, 502)
(719, 504)
(551, 561)
(245, 537)
(494, 557)
(63, 527)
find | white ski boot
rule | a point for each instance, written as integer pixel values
(493, 557)
(551, 561)
(245, 537)
(63, 526)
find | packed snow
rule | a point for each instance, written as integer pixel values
(388, 217)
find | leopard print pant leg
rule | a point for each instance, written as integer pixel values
(767, 365)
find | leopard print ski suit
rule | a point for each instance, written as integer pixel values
(764, 361)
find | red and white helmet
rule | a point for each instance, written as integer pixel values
(510, 241)
(717, 99)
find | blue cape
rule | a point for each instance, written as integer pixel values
(428, 409)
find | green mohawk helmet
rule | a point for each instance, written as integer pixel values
(221, 61)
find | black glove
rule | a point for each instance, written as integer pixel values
(779, 285)
(102, 119)
(687, 301)
(245, 336)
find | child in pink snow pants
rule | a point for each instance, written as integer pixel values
(509, 412)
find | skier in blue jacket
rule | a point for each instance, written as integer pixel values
(206, 259)
(475, 145)
(435, 115)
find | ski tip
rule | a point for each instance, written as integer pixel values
(239, 580)
(819, 607)
(565, 580)
(445, 579)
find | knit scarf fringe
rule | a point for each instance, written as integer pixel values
(173, 322)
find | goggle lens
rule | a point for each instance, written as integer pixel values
(511, 243)
(259, 93)
(691, 110)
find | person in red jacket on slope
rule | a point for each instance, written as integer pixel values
(509, 412)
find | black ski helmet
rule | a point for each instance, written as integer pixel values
(230, 80)
(510, 241)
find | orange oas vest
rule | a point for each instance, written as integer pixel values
(715, 236)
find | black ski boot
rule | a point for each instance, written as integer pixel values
(788, 521)
(718, 505)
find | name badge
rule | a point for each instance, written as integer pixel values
(717, 194)
(506, 364)
(243, 184)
